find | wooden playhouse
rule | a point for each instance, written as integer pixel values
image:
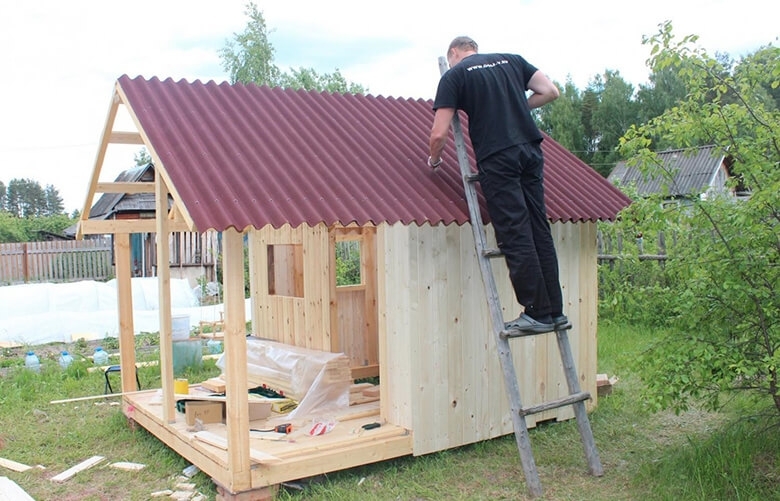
(287, 175)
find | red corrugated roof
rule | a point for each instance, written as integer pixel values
(242, 155)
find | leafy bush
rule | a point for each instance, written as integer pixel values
(721, 290)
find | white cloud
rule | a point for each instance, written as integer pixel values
(61, 59)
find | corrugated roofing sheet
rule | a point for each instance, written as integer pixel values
(243, 155)
(693, 170)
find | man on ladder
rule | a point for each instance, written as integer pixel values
(491, 89)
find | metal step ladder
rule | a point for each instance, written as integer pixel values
(576, 397)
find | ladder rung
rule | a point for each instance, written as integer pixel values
(512, 333)
(492, 253)
(554, 404)
(471, 178)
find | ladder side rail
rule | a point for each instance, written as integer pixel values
(580, 413)
(477, 226)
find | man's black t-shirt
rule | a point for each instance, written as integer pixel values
(491, 89)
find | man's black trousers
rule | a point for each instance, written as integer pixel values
(512, 182)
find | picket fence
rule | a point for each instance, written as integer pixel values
(55, 261)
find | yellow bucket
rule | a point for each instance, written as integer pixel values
(181, 386)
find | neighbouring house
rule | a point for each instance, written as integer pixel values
(192, 255)
(688, 173)
(285, 176)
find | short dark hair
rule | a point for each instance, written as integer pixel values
(463, 42)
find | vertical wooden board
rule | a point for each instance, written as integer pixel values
(256, 260)
(460, 379)
(316, 274)
(500, 418)
(382, 265)
(351, 303)
(330, 300)
(368, 256)
(301, 333)
(479, 347)
(263, 310)
(567, 250)
(418, 356)
(285, 319)
(125, 310)
(236, 404)
(432, 342)
(164, 293)
(440, 329)
(396, 371)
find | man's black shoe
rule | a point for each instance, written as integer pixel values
(525, 323)
(561, 322)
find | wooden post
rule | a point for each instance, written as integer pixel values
(124, 288)
(25, 264)
(164, 291)
(236, 405)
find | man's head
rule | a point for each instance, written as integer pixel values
(459, 48)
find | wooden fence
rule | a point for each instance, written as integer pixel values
(55, 261)
(614, 248)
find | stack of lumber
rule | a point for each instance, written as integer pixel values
(292, 370)
(361, 393)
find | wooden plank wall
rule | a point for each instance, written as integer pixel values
(440, 374)
(296, 320)
(55, 261)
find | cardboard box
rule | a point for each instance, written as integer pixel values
(259, 410)
(207, 412)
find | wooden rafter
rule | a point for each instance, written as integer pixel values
(111, 226)
(121, 137)
(101, 156)
(179, 219)
(120, 187)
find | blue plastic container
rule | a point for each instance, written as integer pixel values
(32, 362)
(100, 357)
(65, 360)
(214, 346)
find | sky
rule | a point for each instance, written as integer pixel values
(60, 59)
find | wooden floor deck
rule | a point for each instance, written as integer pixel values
(286, 458)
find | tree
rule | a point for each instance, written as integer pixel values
(723, 282)
(25, 198)
(54, 205)
(249, 57)
(562, 119)
(615, 113)
(142, 158)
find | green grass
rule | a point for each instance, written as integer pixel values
(58, 436)
(692, 456)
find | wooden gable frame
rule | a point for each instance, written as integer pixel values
(168, 220)
(270, 311)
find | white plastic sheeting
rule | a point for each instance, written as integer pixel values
(304, 370)
(33, 314)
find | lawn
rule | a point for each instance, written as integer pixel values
(692, 456)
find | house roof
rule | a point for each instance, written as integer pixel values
(111, 203)
(246, 155)
(693, 170)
